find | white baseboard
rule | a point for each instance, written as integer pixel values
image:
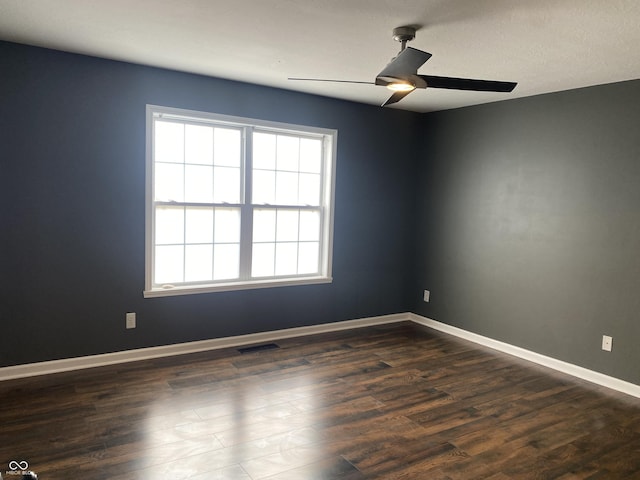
(569, 368)
(90, 361)
(56, 366)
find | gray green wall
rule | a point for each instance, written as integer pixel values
(72, 178)
(528, 224)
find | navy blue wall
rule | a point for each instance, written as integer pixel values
(528, 228)
(72, 177)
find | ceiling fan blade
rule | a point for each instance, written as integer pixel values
(396, 97)
(406, 63)
(327, 80)
(467, 84)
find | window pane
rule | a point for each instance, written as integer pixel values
(199, 225)
(198, 144)
(264, 187)
(309, 226)
(287, 226)
(264, 151)
(309, 189)
(169, 264)
(169, 225)
(288, 152)
(286, 258)
(198, 263)
(286, 188)
(169, 182)
(226, 264)
(198, 184)
(226, 185)
(310, 155)
(264, 225)
(226, 147)
(308, 257)
(227, 225)
(169, 142)
(263, 260)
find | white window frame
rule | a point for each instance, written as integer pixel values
(329, 138)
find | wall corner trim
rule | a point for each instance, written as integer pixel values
(90, 361)
(559, 365)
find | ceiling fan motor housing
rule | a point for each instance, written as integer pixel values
(404, 34)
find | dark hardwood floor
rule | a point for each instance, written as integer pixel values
(390, 402)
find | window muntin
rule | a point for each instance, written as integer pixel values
(236, 203)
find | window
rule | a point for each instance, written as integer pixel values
(236, 203)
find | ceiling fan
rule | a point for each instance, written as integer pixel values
(401, 74)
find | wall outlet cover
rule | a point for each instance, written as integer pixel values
(607, 343)
(427, 295)
(131, 320)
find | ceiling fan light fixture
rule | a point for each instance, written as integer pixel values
(401, 76)
(401, 86)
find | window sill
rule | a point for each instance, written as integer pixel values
(228, 287)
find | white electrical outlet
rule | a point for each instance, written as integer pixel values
(426, 296)
(607, 343)
(131, 320)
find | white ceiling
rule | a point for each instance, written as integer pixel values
(544, 45)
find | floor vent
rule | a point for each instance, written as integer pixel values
(258, 348)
